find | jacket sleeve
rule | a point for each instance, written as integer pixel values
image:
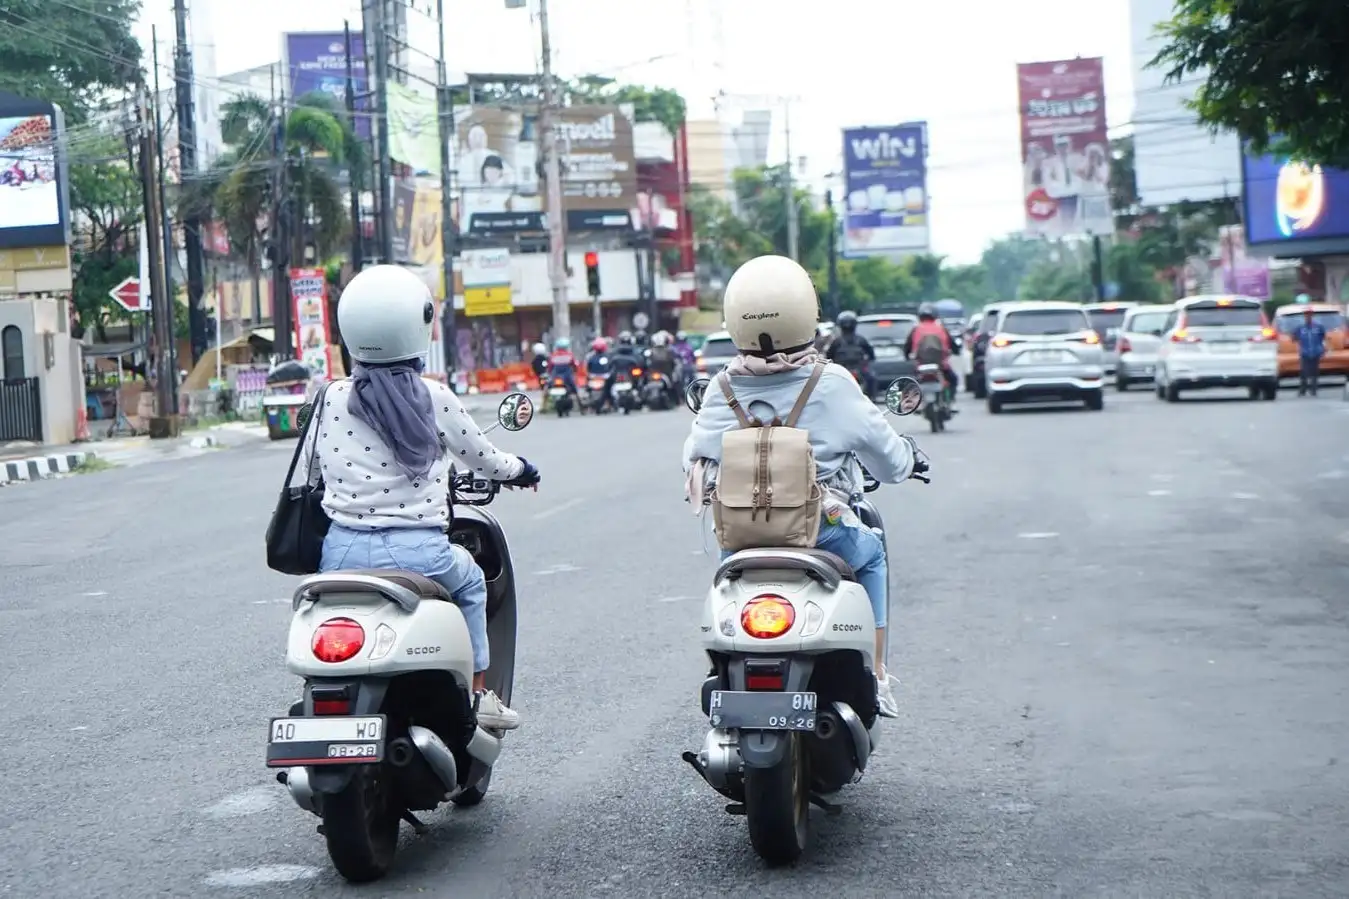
(469, 447)
(885, 454)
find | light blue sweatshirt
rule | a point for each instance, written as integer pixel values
(839, 418)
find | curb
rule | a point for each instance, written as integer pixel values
(37, 468)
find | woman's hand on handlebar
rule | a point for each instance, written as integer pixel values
(528, 476)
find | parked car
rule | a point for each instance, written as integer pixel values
(886, 334)
(967, 348)
(1136, 348)
(1106, 319)
(1218, 341)
(1043, 351)
(975, 380)
(1331, 317)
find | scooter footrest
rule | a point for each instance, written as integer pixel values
(736, 808)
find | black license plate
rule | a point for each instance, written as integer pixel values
(324, 740)
(762, 710)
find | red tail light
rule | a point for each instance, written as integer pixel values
(337, 640)
(763, 681)
(636, 372)
(1124, 346)
(1266, 334)
(331, 706)
(557, 382)
(767, 616)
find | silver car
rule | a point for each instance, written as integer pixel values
(1107, 318)
(1137, 342)
(1044, 351)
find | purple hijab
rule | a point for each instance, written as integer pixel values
(396, 403)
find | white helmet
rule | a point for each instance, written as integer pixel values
(385, 315)
(659, 338)
(770, 306)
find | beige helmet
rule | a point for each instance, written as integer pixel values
(771, 307)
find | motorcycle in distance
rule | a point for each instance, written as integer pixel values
(936, 396)
(657, 391)
(627, 392)
(386, 726)
(560, 397)
(595, 393)
(791, 697)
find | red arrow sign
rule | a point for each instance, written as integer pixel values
(128, 295)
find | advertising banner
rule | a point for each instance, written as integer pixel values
(1288, 202)
(313, 336)
(487, 282)
(496, 160)
(414, 129)
(1242, 274)
(1065, 148)
(33, 202)
(316, 62)
(659, 200)
(416, 223)
(885, 174)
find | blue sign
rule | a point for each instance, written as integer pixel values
(1288, 201)
(885, 195)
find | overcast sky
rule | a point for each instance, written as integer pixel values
(867, 62)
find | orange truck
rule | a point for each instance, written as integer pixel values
(1331, 317)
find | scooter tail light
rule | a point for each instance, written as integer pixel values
(337, 640)
(767, 616)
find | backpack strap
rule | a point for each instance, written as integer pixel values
(724, 381)
(805, 394)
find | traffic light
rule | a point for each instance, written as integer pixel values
(593, 273)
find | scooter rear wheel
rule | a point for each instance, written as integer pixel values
(777, 806)
(360, 824)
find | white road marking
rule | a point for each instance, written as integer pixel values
(95, 593)
(260, 875)
(249, 802)
(676, 598)
(560, 507)
(1244, 496)
(271, 602)
(558, 569)
(1038, 535)
(1159, 493)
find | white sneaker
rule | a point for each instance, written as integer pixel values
(493, 714)
(885, 697)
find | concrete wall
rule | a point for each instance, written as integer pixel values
(60, 378)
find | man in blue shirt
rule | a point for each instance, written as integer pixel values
(1311, 346)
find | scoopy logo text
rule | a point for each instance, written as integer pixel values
(884, 146)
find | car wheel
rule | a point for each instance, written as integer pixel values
(1160, 391)
(1172, 393)
(994, 405)
(1272, 391)
(1096, 400)
(1254, 392)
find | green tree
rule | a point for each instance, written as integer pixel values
(968, 283)
(76, 53)
(106, 195)
(1272, 70)
(1008, 261)
(650, 104)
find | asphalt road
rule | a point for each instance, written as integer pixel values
(1124, 638)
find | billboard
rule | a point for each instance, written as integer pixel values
(1241, 273)
(885, 175)
(496, 157)
(33, 200)
(316, 62)
(1065, 148)
(1287, 201)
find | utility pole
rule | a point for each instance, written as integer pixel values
(789, 189)
(357, 247)
(1097, 268)
(165, 422)
(166, 223)
(280, 237)
(380, 36)
(557, 221)
(449, 338)
(187, 155)
(831, 305)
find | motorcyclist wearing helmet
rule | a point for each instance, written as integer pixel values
(771, 313)
(929, 343)
(641, 339)
(599, 364)
(540, 361)
(683, 351)
(393, 437)
(626, 356)
(853, 351)
(562, 364)
(661, 358)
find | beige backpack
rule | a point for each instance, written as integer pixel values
(766, 494)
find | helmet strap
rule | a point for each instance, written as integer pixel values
(766, 348)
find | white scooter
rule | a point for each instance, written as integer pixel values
(792, 694)
(387, 725)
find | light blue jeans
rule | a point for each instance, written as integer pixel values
(426, 551)
(865, 552)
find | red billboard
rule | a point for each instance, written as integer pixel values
(1065, 148)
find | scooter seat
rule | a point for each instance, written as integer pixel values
(769, 559)
(420, 584)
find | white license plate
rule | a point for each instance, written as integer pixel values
(1225, 346)
(1034, 356)
(325, 740)
(622, 386)
(887, 352)
(558, 391)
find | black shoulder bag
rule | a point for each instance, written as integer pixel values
(299, 524)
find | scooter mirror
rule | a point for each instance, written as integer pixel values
(693, 394)
(515, 412)
(904, 396)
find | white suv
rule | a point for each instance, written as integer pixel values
(1218, 341)
(1044, 351)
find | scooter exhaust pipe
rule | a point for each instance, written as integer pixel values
(401, 752)
(436, 753)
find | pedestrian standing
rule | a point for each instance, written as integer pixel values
(1311, 346)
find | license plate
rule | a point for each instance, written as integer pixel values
(597, 384)
(887, 352)
(325, 741)
(762, 710)
(1044, 356)
(931, 388)
(622, 386)
(1224, 346)
(558, 391)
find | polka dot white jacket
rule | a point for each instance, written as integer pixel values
(363, 486)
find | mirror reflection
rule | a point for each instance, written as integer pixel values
(904, 396)
(693, 394)
(516, 412)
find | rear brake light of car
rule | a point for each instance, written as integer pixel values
(1183, 336)
(1124, 345)
(1091, 337)
(1266, 334)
